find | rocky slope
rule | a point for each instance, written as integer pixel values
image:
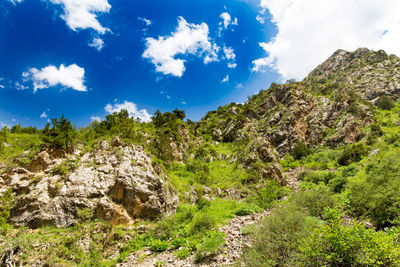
(115, 183)
(329, 107)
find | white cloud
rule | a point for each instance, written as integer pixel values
(232, 65)
(82, 14)
(187, 39)
(71, 76)
(142, 114)
(97, 43)
(230, 56)
(16, 1)
(20, 87)
(146, 21)
(95, 118)
(44, 115)
(226, 79)
(227, 20)
(309, 31)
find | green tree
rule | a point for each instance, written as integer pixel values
(61, 135)
(3, 137)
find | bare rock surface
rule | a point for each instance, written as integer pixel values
(119, 185)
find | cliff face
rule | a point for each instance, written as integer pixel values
(115, 183)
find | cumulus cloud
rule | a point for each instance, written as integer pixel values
(309, 31)
(142, 114)
(226, 79)
(95, 118)
(187, 39)
(97, 43)
(71, 76)
(82, 14)
(230, 56)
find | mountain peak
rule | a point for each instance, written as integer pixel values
(342, 61)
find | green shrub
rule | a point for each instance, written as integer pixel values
(315, 199)
(275, 241)
(336, 244)
(6, 203)
(202, 223)
(300, 150)
(317, 176)
(247, 209)
(270, 192)
(385, 102)
(3, 137)
(183, 253)
(210, 245)
(352, 153)
(203, 203)
(376, 191)
(159, 245)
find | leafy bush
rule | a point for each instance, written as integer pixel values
(247, 209)
(336, 244)
(270, 192)
(353, 153)
(300, 150)
(315, 199)
(385, 102)
(183, 253)
(317, 176)
(275, 241)
(6, 203)
(376, 191)
(202, 223)
(210, 245)
(3, 137)
(159, 245)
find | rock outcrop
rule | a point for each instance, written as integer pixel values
(117, 184)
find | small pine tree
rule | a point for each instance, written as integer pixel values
(385, 102)
(61, 135)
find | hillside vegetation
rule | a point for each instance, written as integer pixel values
(319, 158)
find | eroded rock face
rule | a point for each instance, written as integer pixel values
(118, 185)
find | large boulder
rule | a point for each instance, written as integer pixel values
(116, 185)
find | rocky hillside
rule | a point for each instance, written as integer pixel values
(121, 191)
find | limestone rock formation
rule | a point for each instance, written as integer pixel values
(117, 185)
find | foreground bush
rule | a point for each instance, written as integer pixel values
(376, 192)
(276, 239)
(336, 244)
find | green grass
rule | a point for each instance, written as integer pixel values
(13, 154)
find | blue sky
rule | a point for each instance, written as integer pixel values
(87, 58)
